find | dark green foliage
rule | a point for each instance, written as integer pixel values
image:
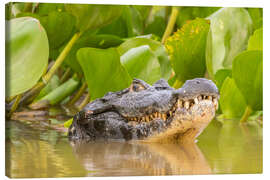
(115, 43)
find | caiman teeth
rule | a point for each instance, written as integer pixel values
(186, 104)
(179, 103)
(215, 101)
(147, 118)
(196, 100)
(164, 117)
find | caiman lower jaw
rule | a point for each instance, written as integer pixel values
(180, 104)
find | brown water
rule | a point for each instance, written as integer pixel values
(222, 148)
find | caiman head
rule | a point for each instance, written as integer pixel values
(145, 112)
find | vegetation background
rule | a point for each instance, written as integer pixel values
(70, 54)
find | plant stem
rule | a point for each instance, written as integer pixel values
(84, 102)
(15, 104)
(78, 94)
(40, 85)
(246, 114)
(170, 24)
(65, 75)
(61, 58)
(177, 84)
(27, 7)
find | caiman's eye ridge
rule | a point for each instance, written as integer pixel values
(135, 87)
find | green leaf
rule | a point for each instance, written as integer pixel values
(157, 48)
(93, 16)
(221, 75)
(247, 73)
(129, 24)
(54, 24)
(186, 48)
(255, 42)
(229, 32)
(53, 84)
(232, 102)
(61, 92)
(256, 15)
(190, 13)
(156, 22)
(88, 39)
(103, 71)
(43, 9)
(141, 63)
(27, 50)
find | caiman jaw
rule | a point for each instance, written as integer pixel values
(180, 103)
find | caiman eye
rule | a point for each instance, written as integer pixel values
(136, 87)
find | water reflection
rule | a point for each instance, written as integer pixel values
(122, 158)
(33, 153)
(221, 148)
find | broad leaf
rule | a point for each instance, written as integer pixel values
(54, 24)
(27, 52)
(89, 39)
(43, 9)
(156, 21)
(103, 71)
(129, 24)
(256, 15)
(141, 63)
(190, 13)
(247, 72)
(229, 32)
(186, 48)
(255, 42)
(93, 16)
(232, 102)
(157, 48)
(221, 75)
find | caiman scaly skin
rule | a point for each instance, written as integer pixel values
(151, 113)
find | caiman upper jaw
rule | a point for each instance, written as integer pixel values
(195, 87)
(192, 92)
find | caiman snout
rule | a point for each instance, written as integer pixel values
(142, 111)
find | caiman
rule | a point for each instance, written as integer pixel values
(152, 113)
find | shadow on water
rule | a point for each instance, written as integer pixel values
(222, 148)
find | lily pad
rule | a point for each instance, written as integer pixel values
(247, 72)
(103, 71)
(27, 52)
(232, 102)
(229, 32)
(186, 49)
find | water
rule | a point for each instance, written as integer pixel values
(222, 148)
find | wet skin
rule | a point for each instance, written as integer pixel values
(151, 113)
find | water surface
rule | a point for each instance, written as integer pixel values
(222, 148)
